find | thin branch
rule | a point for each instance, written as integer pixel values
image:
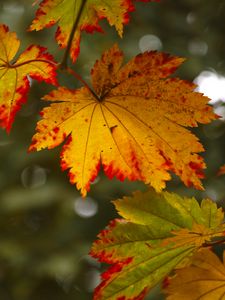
(78, 77)
(63, 64)
(211, 244)
(68, 70)
(13, 66)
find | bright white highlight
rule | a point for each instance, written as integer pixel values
(211, 85)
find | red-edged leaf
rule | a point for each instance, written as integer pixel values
(159, 233)
(135, 127)
(14, 84)
(64, 13)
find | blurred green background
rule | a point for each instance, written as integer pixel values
(46, 228)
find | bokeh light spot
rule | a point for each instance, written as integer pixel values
(150, 42)
(33, 177)
(85, 208)
(198, 47)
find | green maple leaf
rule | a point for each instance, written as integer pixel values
(159, 232)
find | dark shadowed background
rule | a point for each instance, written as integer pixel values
(46, 229)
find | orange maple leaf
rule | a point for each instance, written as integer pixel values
(204, 279)
(134, 123)
(14, 83)
(65, 13)
(221, 171)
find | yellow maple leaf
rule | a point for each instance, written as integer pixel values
(14, 83)
(133, 124)
(204, 279)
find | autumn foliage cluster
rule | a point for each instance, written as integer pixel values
(133, 122)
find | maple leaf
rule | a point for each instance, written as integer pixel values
(135, 126)
(66, 12)
(204, 279)
(147, 244)
(14, 83)
(221, 171)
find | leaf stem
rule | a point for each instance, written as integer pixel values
(214, 243)
(63, 64)
(13, 66)
(78, 77)
(68, 70)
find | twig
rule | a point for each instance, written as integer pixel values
(210, 244)
(17, 65)
(78, 77)
(63, 64)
